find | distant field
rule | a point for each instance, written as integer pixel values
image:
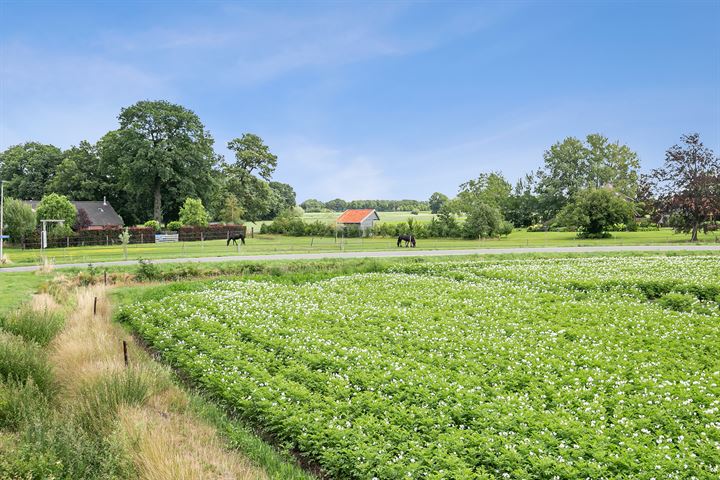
(272, 244)
(385, 217)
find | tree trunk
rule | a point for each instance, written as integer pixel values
(157, 210)
(693, 238)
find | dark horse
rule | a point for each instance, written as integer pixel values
(408, 239)
(235, 237)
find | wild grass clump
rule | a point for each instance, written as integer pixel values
(21, 360)
(100, 400)
(38, 326)
(19, 401)
(51, 445)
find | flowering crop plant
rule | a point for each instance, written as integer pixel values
(537, 368)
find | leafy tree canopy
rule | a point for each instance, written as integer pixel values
(689, 184)
(252, 157)
(20, 220)
(436, 201)
(573, 165)
(489, 189)
(79, 175)
(161, 151)
(27, 168)
(193, 213)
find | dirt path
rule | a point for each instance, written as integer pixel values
(401, 252)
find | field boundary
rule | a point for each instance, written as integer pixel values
(386, 254)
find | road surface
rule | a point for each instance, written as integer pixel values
(389, 254)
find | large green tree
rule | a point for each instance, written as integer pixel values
(689, 184)
(436, 201)
(79, 175)
(573, 165)
(247, 176)
(27, 169)
(282, 198)
(489, 188)
(160, 155)
(252, 157)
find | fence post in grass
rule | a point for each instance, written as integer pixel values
(95, 307)
(252, 232)
(311, 241)
(107, 240)
(105, 277)
(125, 354)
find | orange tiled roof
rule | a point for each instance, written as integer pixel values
(354, 216)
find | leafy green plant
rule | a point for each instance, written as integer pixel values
(147, 271)
(174, 225)
(154, 224)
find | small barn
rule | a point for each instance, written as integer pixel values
(363, 219)
(100, 213)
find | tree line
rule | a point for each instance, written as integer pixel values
(160, 155)
(595, 185)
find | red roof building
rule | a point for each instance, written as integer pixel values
(363, 219)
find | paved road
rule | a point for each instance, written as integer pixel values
(391, 253)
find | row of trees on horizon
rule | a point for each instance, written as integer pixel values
(161, 154)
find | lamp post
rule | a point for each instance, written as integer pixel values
(2, 218)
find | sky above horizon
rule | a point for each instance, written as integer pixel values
(374, 100)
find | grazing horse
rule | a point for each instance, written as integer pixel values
(234, 238)
(408, 239)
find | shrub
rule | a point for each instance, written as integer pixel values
(154, 224)
(20, 220)
(538, 227)
(193, 213)
(594, 212)
(174, 225)
(506, 228)
(36, 326)
(147, 271)
(57, 207)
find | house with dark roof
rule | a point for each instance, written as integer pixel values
(100, 213)
(364, 219)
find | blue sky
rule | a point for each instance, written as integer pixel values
(373, 99)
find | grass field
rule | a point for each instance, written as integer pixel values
(272, 244)
(600, 367)
(16, 288)
(330, 217)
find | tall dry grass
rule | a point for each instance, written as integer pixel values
(138, 404)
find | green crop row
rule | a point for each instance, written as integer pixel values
(464, 369)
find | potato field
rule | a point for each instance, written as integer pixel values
(602, 367)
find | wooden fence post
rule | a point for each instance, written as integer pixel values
(125, 353)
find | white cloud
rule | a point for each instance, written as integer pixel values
(62, 99)
(326, 172)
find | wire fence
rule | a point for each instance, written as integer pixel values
(256, 244)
